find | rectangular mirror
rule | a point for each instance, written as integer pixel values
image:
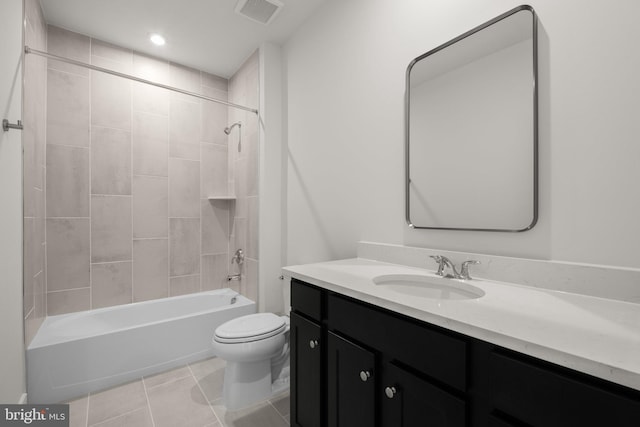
(471, 129)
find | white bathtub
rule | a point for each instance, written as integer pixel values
(73, 354)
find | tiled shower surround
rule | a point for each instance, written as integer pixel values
(129, 168)
(33, 142)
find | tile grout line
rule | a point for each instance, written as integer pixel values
(200, 185)
(150, 175)
(131, 179)
(44, 178)
(90, 76)
(200, 172)
(55, 144)
(169, 238)
(114, 417)
(172, 380)
(150, 238)
(87, 411)
(121, 129)
(112, 262)
(277, 412)
(150, 113)
(146, 395)
(65, 290)
(57, 70)
(184, 275)
(67, 217)
(205, 396)
(276, 409)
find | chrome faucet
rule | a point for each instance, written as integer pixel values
(464, 269)
(447, 262)
(438, 259)
(443, 262)
(238, 257)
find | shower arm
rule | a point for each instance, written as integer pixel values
(228, 129)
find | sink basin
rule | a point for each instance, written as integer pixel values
(428, 287)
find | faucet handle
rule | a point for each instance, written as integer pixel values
(238, 257)
(440, 261)
(464, 270)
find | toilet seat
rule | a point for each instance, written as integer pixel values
(253, 327)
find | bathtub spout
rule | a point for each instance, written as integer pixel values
(233, 277)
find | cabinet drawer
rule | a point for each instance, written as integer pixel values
(424, 348)
(306, 299)
(546, 396)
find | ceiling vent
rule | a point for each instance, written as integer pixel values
(262, 11)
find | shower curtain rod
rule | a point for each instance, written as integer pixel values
(29, 50)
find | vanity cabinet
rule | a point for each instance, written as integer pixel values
(374, 367)
(307, 357)
(306, 362)
(379, 369)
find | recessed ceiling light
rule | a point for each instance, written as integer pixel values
(157, 39)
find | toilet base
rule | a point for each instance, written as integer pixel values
(246, 383)
(281, 383)
(250, 382)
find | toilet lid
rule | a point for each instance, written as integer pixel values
(250, 328)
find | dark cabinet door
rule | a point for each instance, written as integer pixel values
(542, 395)
(306, 372)
(410, 401)
(351, 384)
(498, 422)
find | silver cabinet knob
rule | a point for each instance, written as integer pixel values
(313, 343)
(365, 375)
(390, 392)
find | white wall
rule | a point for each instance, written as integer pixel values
(12, 377)
(344, 99)
(270, 209)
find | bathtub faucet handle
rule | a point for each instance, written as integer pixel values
(238, 257)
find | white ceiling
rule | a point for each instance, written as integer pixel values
(204, 34)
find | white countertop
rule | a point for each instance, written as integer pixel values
(597, 336)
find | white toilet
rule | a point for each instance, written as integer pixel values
(256, 349)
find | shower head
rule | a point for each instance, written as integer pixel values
(227, 130)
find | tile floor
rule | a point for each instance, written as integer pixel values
(189, 396)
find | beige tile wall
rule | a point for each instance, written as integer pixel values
(34, 166)
(128, 173)
(243, 158)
